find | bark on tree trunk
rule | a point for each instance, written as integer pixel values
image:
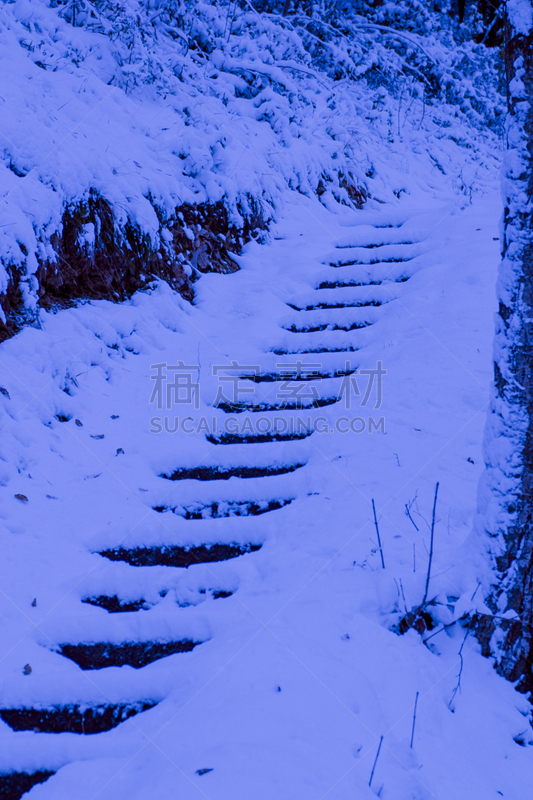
(507, 491)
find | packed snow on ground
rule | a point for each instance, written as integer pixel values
(300, 673)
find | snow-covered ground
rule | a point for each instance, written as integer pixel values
(298, 673)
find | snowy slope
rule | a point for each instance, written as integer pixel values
(296, 674)
(151, 106)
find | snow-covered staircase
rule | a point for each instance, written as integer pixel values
(375, 261)
(149, 602)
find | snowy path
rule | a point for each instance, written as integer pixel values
(204, 613)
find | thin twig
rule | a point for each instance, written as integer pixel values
(403, 595)
(377, 531)
(431, 546)
(400, 594)
(375, 761)
(414, 721)
(458, 687)
(475, 590)
(408, 512)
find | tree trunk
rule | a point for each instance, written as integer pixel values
(506, 495)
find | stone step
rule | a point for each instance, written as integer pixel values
(14, 784)
(332, 306)
(257, 438)
(225, 473)
(300, 374)
(227, 508)
(332, 326)
(316, 350)
(89, 655)
(72, 718)
(238, 408)
(114, 605)
(177, 556)
(340, 284)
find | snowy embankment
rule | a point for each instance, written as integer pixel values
(152, 138)
(296, 670)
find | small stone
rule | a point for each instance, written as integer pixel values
(22, 498)
(120, 451)
(79, 423)
(203, 771)
(27, 670)
(34, 602)
(470, 460)
(97, 435)
(4, 391)
(114, 416)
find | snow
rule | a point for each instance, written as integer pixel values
(520, 15)
(300, 670)
(299, 673)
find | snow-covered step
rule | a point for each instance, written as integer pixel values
(99, 655)
(113, 604)
(387, 254)
(14, 784)
(300, 372)
(332, 326)
(178, 556)
(72, 718)
(295, 351)
(279, 367)
(196, 496)
(360, 275)
(371, 246)
(240, 407)
(376, 295)
(336, 305)
(117, 589)
(258, 438)
(220, 509)
(333, 320)
(224, 474)
(378, 235)
(402, 230)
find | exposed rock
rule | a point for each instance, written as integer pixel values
(96, 258)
